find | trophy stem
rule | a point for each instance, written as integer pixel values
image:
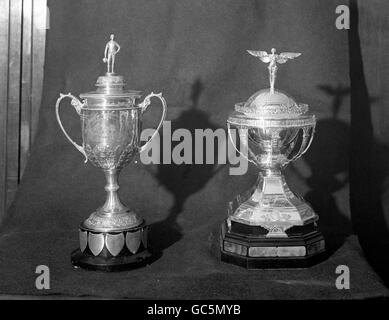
(270, 181)
(272, 172)
(112, 203)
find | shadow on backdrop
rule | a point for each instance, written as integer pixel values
(183, 180)
(328, 163)
(368, 162)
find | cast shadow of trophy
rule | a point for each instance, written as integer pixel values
(368, 161)
(183, 180)
(329, 165)
(328, 162)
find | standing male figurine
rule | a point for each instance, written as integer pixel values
(111, 49)
(273, 59)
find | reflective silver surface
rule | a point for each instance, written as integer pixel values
(111, 122)
(272, 59)
(111, 49)
(273, 130)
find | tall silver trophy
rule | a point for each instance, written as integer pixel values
(113, 237)
(269, 225)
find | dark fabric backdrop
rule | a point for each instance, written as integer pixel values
(369, 152)
(194, 53)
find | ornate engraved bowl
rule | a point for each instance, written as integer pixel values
(269, 225)
(273, 135)
(111, 123)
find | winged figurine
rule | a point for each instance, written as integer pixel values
(272, 59)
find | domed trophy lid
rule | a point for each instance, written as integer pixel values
(111, 85)
(271, 103)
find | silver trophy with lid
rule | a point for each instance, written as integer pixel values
(113, 237)
(270, 225)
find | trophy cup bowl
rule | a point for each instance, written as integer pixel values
(271, 143)
(113, 237)
(269, 225)
(110, 142)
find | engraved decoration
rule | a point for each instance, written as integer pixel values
(274, 130)
(111, 120)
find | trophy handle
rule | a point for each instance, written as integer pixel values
(77, 105)
(306, 143)
(146, 102)
(310, 140)
(242, 139)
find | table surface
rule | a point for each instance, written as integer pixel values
(176, 274)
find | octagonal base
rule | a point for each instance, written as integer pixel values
(302, 248)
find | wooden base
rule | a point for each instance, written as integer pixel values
(112, 251)
(124, 262)
(256, 251)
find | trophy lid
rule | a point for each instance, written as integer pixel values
(271, 103)
(111, 85)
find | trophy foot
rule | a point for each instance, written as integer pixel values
(270, 227)
(112, 251)
(249, 247)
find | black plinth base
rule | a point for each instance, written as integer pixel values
(254, 250)
(120, 263)
(112, 251)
